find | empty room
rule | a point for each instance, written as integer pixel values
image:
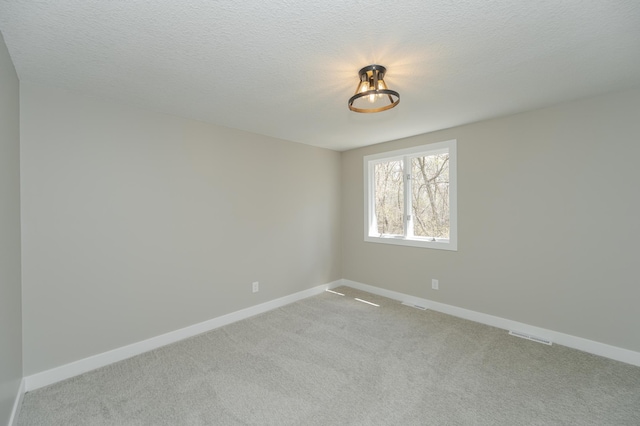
(336, 213)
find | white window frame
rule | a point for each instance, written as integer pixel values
(370, 225)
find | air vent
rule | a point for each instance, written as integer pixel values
(422, 308)
(530, 337)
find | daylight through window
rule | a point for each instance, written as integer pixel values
(411, 196)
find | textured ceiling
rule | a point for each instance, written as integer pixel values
(286, 68)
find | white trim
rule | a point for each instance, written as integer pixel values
(408, 239)
(17, 404)
(441, 244)
(76, 368)
(585, 345)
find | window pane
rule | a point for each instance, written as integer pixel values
(389, 195)
(430, 195)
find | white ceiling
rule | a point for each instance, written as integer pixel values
(286, 68)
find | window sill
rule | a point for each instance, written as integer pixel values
(423, 243)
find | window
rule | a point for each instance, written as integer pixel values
(410, 196)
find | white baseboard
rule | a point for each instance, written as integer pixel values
(585, 345)
(17, 405)
(76, 368)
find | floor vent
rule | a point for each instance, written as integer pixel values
(422, 308)
(530, 337)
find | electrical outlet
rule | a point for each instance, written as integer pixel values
(256, 286)
(434, 284)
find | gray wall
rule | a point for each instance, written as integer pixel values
(10, 294)
(548, 221)
(137, 223)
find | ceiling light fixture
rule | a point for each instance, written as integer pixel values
(372, 94)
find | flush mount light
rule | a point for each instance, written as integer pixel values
(372, 94)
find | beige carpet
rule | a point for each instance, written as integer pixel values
(332, 360)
